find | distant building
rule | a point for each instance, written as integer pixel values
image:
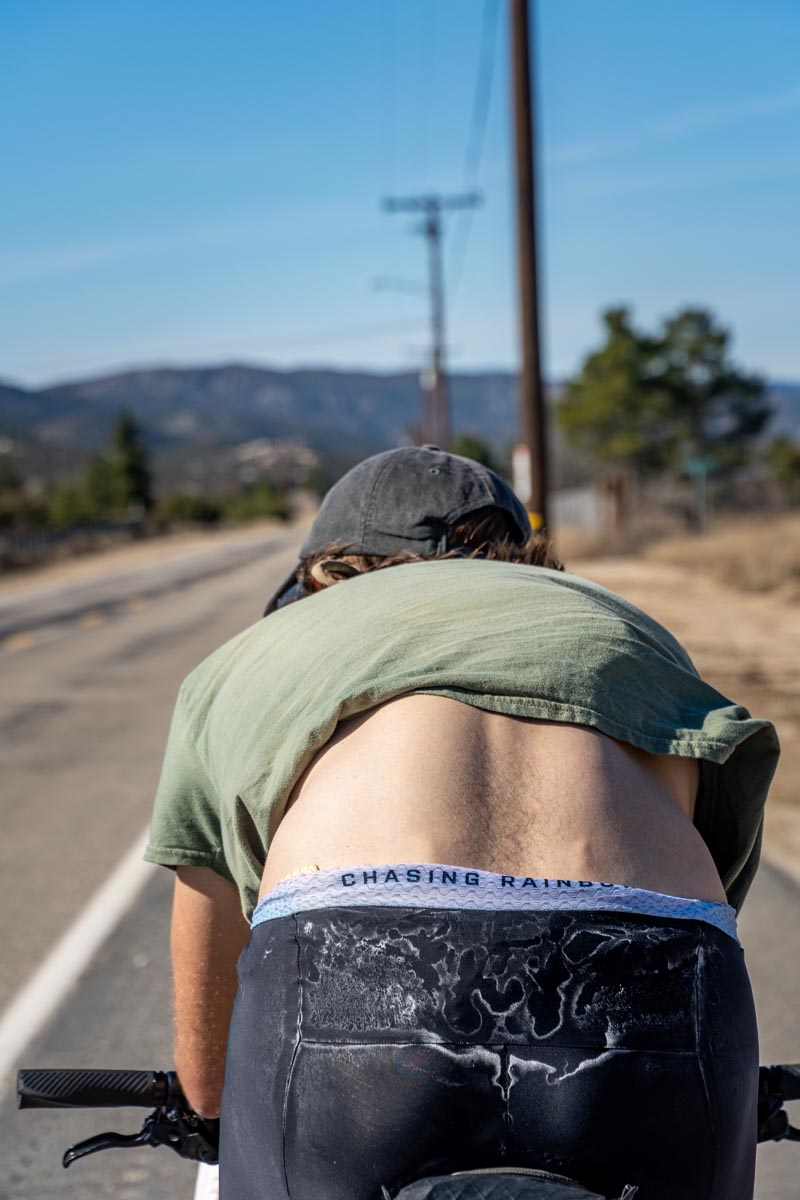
(292, 460)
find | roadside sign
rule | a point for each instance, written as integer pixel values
(522, 481)
(698, 466)
(522, 472)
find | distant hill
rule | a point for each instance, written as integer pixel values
(25, 418)
(331, 410)
(193, 417)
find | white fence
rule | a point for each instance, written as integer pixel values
(586, 509)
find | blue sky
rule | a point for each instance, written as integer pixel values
(188, 181)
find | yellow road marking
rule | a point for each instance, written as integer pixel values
(18, 641)
(90, 619)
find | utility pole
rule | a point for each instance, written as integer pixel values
(432, 208)
(531, 454)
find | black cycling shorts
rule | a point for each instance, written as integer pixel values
(371, 1046)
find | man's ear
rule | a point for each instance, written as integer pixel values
(333, 570)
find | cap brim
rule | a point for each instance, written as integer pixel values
(275, 602)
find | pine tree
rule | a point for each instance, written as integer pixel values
(132, 464)
(650, 402)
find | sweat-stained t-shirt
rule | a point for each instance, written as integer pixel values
(508, 638)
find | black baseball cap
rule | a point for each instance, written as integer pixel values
(402, 499)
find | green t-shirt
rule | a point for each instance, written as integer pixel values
(508, 638)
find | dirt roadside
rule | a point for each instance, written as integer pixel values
(747, 646)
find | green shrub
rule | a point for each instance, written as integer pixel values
(181, 508)
(261, 500)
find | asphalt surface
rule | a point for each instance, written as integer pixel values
(117, 1016)
(84, 715)
(83, 721)
(43, 605)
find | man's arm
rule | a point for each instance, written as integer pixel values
(208, 934)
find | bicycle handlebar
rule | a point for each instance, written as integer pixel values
(171, 1123)
(784, 1080)
(97, 1089)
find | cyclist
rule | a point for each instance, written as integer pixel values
(490, 829)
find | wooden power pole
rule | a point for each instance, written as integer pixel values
(432, 207)
(530, 455)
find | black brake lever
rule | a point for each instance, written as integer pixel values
(104, 1141)
(775, 1086)
(772, 1120)
(187, 1134)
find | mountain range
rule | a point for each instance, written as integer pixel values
(194, 415)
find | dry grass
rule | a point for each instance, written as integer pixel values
(746, 644)
(645, 524)
(755, 555)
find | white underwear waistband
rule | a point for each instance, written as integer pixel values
(433, 885)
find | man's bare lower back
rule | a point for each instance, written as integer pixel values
(428, 779)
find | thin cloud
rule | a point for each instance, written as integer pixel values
(663, 179)
(277, 349)
(37, 263)
(672, 128)
(46, 262)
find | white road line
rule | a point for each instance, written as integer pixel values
(41, 996)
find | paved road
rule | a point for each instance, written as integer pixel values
(118, 1016)
(83, 722)
(83, 719)
(41, 606)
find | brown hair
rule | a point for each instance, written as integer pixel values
(485, 533)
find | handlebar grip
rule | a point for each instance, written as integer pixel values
(94, 1089)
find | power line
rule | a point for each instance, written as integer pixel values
(483, 91)
(481, 101)
(247, 348)
(339, 333)
(387, 15)
(423, 88)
